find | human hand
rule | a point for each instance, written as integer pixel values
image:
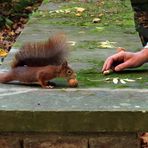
(123, 60)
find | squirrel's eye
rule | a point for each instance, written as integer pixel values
(69, 72)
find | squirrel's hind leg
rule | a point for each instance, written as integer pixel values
(43, 82)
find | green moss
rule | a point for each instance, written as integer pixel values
(94, 78)
(111, 13)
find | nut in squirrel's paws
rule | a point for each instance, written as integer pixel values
(73, 82)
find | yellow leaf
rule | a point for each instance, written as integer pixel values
(96, 20)
(12, 33)
(3, 53)
(101, 14)
(1, 38)
(107, 44)
(80, 10)
(78, 14)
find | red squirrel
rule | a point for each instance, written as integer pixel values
(41, 62)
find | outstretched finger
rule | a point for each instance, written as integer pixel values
(107, 64)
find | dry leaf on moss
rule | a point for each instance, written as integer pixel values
(80, 9)
(122, 81)
(78, 14)
(115, 80)
(96, 20)
(72, 43)
(107, 44)
(129, 80)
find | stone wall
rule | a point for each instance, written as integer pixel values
(69, 140)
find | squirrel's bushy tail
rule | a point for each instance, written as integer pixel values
(50, 52)
(5, 77)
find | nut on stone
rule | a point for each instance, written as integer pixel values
(73, 82)
(107, 72)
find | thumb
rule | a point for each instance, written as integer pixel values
(122, 66)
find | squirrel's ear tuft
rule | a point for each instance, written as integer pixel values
(65, 64)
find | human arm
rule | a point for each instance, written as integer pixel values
(123, 60)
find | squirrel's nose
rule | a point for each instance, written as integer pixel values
(74, 75)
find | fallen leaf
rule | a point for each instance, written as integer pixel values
(1, 38)
(129, 80)
(140, 78)
(122, 81)
(101, 14)
(57, 11)
(107, 44)
(72, 43)
(12, 33)
(18, 30)
(29, 8)
(107, 79)
(78, 14)
(80, 9)
(115, 80)
(3, 53)
(96, 20)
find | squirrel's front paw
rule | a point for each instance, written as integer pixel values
(49, 87)
(51, 83)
